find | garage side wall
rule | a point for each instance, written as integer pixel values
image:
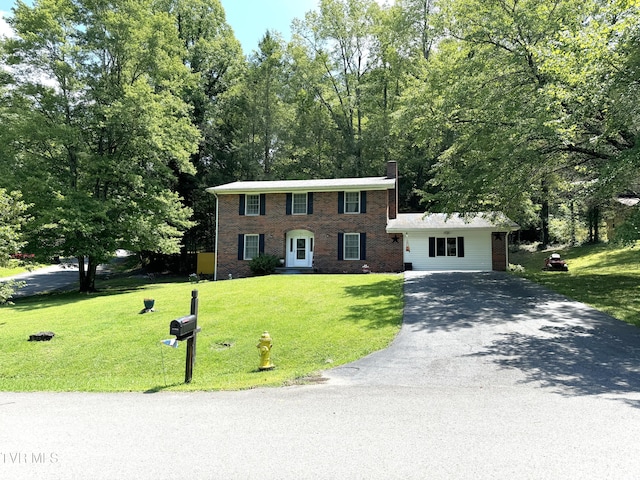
(477, 251)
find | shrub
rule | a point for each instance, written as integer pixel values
(264, 264)
(7, 289)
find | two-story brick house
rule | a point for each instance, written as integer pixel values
(339, 225)
(328, 225)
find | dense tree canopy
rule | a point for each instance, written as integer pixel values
(98, 127)
(117, 114)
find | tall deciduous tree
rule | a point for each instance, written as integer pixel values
(337, 44)
(99, 128)
(523, 92)
(265, 108)
(214, 57)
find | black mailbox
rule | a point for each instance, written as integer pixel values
(183, 327)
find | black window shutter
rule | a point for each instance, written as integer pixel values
(241, 207)
(432, 246)
(340, 246)
(263, 203)
(340, 202)
(363, 246)
(309, 203)
(240, 246)
(363, 202)
(289, 203)
(461, 246)
(261, 243)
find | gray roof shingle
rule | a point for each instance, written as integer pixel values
(455, 221)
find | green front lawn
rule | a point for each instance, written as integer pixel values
(16, 267)
(605, 277)
(103, 343)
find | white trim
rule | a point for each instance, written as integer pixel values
(293, 203)
(344, 246)
(246, 205)
(244, 253)
(291, 238)
(324, 185)
(215, 260)
(344, 205)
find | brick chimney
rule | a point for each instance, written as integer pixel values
(392, 202)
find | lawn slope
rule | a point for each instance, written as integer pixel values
(605, 277)
(103, 343)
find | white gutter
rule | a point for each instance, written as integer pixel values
(215, 260)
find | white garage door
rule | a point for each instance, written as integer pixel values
(461, 250)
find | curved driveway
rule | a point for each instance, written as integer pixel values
(491, 377)
(491, 329)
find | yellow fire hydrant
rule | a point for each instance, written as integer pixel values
(265, 344)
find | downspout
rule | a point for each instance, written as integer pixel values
(215, 261)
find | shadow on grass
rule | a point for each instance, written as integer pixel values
(609, 292)
(107, 289)
(387, 308)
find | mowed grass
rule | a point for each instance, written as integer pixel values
(605, 277)
(15, 267)
(103, 343)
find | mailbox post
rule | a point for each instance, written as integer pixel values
(186, 328)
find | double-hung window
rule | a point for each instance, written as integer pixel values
(251, 246)
(352, 246)
(252, 204)
(351, 202)
(299, 204)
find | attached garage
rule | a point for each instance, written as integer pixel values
(439, 241)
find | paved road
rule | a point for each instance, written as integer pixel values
(54, 278)
(490, 378)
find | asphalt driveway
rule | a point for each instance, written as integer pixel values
(493, 329)
(491, 377)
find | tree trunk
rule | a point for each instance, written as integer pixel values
(544, 216)
(593, 219)
(87, 276)
(572, 224)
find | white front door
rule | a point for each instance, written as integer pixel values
(300, 250)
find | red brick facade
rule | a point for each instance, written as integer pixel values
(383, 251)
(499, 251)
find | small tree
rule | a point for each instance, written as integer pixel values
(12, 218)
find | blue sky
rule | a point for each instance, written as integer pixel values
(248, 18)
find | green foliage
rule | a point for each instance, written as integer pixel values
(99, 131)
(264, 264)
(103, 343)
(629, 232)
(12, 219)
(522, 99)
(8, 289)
